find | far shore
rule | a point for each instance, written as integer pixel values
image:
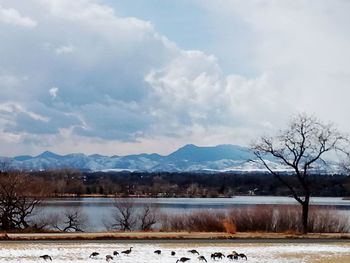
(155, 197)
(122, 196)
(178, 237)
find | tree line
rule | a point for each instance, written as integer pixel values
(67, 182)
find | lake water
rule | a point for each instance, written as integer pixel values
(98, 210)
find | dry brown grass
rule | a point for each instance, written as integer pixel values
(287, 219)
(259, 218)
(204, 221)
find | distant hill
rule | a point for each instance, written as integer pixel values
(190, 157)
(195, 153)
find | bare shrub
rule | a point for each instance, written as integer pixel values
(148, 217)
(257, 218)
(328, 220)
(287, 219)
(73, 220)
(128, 216)
(125, 215)
(207, 221)
(173, 222)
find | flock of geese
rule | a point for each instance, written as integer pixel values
(214, 256)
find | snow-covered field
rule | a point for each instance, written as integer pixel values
(144, 252)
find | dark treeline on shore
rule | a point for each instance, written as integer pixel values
(165, 184)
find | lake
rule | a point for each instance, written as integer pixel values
(98, 210)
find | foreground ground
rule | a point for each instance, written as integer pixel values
(79, 251)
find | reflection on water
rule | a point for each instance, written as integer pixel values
(98, 209)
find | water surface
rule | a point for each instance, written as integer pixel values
(98, 210)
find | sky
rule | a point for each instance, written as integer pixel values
(123, 77)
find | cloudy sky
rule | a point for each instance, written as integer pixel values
(121, 76)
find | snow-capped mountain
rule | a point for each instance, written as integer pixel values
(188, 158)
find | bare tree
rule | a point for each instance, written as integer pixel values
(148, 217)
(73, 219)
(19, 195)
(300, 147)
(125, 215)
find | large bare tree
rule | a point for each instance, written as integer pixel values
(301, 148)
(19, 196)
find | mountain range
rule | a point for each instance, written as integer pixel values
(220, 158)
(187, 158)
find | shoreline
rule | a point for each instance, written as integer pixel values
(168, 197)
(196, 237)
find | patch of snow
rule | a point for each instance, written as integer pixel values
(143, 252)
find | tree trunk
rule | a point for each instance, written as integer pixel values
(5, 225)
(305, 214)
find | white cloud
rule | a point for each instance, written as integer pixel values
(302, 44)
(13, 109)
(13, 17)
(53, 92)
(65, 49)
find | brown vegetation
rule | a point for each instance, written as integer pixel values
(260, 218)
(287, 218)
(204, 221)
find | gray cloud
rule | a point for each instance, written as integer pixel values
(38, 120)
(114, 121)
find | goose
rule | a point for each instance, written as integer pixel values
(127, 252)
(193, 251)
(183, 259)
(158, 252)
(202, 258)
(218, 255)
(94, 254)
(46, 257)
(173, 253)
(108, 258)
(232, 256)
(237, 255)
(115, 253)
(241, 255)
